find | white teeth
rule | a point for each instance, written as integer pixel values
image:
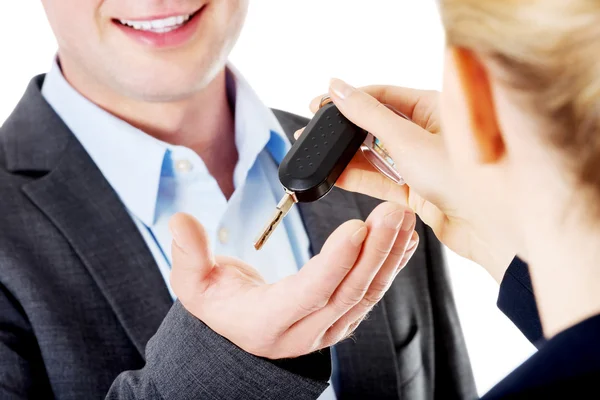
(158, 25)
(164, 30)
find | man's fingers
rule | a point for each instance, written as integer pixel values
(380, 284)
(192, 258)
(383, 224)
(386, 274)
(412, 246)
(311, 288)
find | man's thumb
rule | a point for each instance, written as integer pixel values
(192, 258)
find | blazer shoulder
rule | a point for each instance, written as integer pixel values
(14, 204)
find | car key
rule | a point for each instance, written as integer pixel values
(315, 162)
(319, 156)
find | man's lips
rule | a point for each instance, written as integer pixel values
(158, 24)
(164, 31)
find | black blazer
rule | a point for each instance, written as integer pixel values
(517, 301)
(81, 295)
(565, 367)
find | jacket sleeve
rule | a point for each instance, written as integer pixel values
(184, 360)
(22, 372)
(187, 360)
(517, 301)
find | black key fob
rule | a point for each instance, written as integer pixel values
(318, 158)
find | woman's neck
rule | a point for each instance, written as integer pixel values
(564, 264)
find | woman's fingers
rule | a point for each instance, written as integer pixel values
(361, 177)
(421, 106)
(410, 146)
(355, 178)
(367, 112)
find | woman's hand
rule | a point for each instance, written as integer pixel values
(418, 150)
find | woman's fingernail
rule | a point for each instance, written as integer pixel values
(297, 134)
(340, 88)
(411, 245)
(409, 221)
(359, 236)
(394, 219)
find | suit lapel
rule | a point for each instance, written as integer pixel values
(82, 205)
(76, 198)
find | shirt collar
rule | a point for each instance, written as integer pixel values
(256, 127)
(131, 161)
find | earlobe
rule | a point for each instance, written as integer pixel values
(476, 86)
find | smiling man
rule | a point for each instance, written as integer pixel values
(140, 118)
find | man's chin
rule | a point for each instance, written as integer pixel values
(159, 94)
(165, 87)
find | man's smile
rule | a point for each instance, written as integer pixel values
(162, 25)
(170, 30)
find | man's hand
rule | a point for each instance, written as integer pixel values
(317, 307)
(418, 150)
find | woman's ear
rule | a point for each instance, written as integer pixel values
(474, 81)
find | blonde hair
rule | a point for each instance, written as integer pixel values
(549, 50)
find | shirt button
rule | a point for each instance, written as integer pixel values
(183, 165)
(223, 235)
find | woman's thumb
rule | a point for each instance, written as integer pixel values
(192, 258)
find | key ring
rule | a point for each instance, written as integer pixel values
(375, 152)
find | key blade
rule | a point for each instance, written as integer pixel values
(268, 230)
(284, 206)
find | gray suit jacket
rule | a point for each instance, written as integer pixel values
(85, 313)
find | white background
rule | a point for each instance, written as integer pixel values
(288, 51)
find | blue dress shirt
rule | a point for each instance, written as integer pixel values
(155, 180)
